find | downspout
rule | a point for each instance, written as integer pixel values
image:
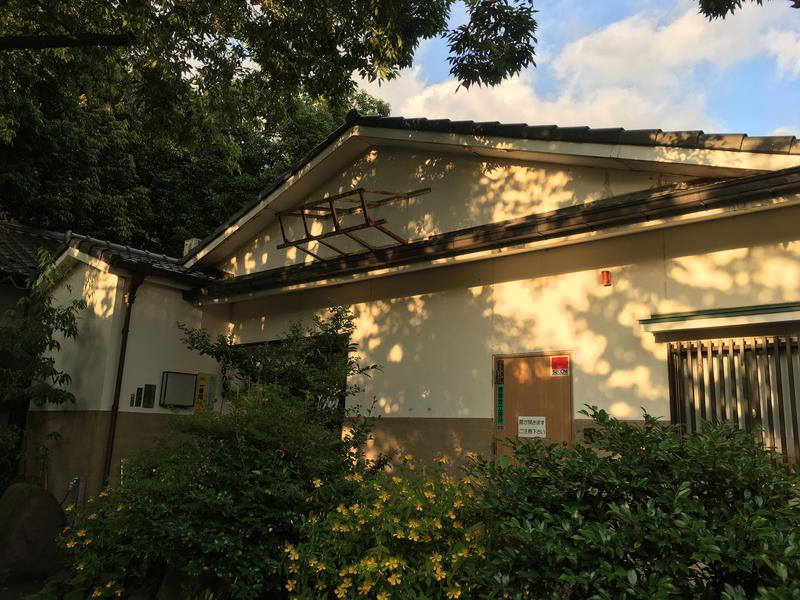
(130, 298)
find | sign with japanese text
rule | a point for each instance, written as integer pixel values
(559, 366)
(500, 407)
(531, 427)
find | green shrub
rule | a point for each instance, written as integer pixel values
(215, 508)
(219, 506)
(399, 536)
(9, 455)
(640, 512)
(637, 512)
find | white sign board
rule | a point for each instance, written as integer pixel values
(530, 427)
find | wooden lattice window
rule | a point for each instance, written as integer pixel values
(752, 382)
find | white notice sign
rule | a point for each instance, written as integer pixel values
(529, 427)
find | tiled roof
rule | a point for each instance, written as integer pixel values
(736, 142)
(132, 257)
(733, 142)
(20, 244)
(19, 250)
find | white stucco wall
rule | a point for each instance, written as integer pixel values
(90, 359)
(435, 331)
(466, 191)
(155, 344)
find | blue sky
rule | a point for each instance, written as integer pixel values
(629, 63)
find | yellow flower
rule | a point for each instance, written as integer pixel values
(290, 584)
(294, 568)
(357, 477)
(92, 516)
(291, 551)
(102, 494)
(440, 574)
(120, 507)
(110, 584)
(394, 579)
(454, 593)
(397, 479)
(419, 507)
(383, 596)
(66, 529)
(443, 459)
(69, 508)
(91, 499)
(97, 594)
(81, 533)
(317, 483)
(430, 495)
(436, 558)
(458, 503)
(392, 563)
(341, 590)
(81, 567)
(408, 457)
(70, 544)
(365, 587)
(86, 542)
(413, 535)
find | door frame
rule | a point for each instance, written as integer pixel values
(538, 353)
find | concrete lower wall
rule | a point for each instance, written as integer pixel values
(63, 445)
(426, 438)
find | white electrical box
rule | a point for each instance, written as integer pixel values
(178, 389)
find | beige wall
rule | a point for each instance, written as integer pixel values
(466, 191)
(435, 331)
(155, 345)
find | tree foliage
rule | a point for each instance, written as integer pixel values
(159, 141)
(316, 362)
(30, 337)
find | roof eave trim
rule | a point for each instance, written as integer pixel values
(723, 317)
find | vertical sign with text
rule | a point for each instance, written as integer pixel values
(499, 394)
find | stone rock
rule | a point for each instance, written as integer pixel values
(30, 521)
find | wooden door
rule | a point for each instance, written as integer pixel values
(533, 398)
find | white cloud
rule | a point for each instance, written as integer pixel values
(785, 48)
(642, 71)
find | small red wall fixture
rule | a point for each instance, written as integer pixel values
(605, 277)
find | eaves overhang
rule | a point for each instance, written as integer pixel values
(628, 209)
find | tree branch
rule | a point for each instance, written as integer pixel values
(38, 42)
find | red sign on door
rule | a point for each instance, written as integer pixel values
(559, 366)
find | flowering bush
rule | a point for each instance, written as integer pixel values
(400, 535)
(211, 512)
(217, 508)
